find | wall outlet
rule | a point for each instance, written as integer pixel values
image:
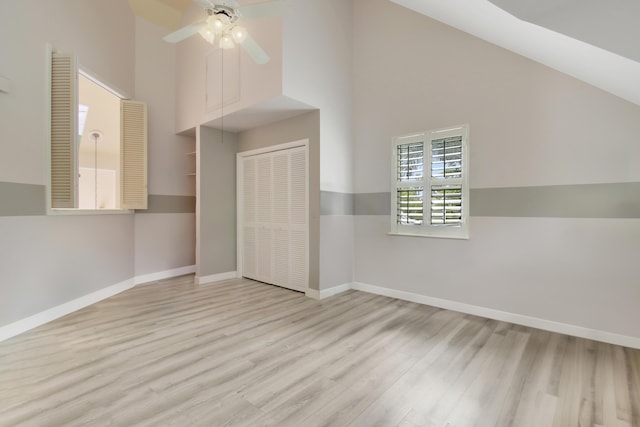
(4, 85)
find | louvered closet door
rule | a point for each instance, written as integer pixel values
(298, 227)
(280, 213)
(249, 227)
(275, 218)
(263, 220)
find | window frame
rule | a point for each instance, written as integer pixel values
(54, 211)
(426, 229)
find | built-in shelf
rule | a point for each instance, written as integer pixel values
(192, 156)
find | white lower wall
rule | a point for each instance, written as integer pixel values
(53, 313)
(579, 272)
(164, 242)
(46, 261)
(336, 250)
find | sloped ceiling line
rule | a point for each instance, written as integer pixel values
(601, 68)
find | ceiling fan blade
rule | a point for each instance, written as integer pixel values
(264, 9)
(205, 3)
(184, 32)
(255, 51)
(231, 3)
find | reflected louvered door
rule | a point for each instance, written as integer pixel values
(133, 149)
(275, 218)
(64, 174)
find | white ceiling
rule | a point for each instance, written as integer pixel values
(611, 25)
(596, 41)
(263, 113)
(592, 40)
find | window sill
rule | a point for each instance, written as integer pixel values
(432, 236)
(63, 212)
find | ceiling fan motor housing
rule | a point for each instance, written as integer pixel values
(229, 12)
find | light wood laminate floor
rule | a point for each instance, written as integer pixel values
(244, 353)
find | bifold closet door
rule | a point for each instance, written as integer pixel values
(275, 218)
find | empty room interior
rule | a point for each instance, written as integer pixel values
(319, 212)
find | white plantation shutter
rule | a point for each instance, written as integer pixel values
(275, 218)
(433, 201)
(446, 181)
(410, 162)
(409, 173)
(133, 152)
(410, 203)
(63, 131)
(446, 157)
(446, 204)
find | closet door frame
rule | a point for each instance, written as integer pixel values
(240, 198)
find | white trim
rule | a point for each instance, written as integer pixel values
(31, 322)
(519, 319)
(104, 84)
(202, 280)
(47, 126)
(329, 292)
(272, 148)
(74, 211)
(167, 274)
(198, 212)
(38, 319)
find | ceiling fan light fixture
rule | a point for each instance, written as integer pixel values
(208, 34)
(218, 22)
(226, 42)
(220, 26)
(239, 34)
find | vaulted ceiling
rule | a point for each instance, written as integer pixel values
(611, 25)
(166, 13)
(592, 40)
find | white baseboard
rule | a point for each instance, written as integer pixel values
(20, 326)
(519, 319)
(329, 292)
(31, 322)
(167, 274)
(201, 280)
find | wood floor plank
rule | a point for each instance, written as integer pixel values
(241, 353)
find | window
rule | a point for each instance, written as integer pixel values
(98, 158)
(429, 185)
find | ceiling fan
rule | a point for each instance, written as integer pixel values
(221, 23)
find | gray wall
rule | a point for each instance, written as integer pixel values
(318, 70)
(542, 144)
(165, 233)
(216, 209)
(305, 126)
(46, 261)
